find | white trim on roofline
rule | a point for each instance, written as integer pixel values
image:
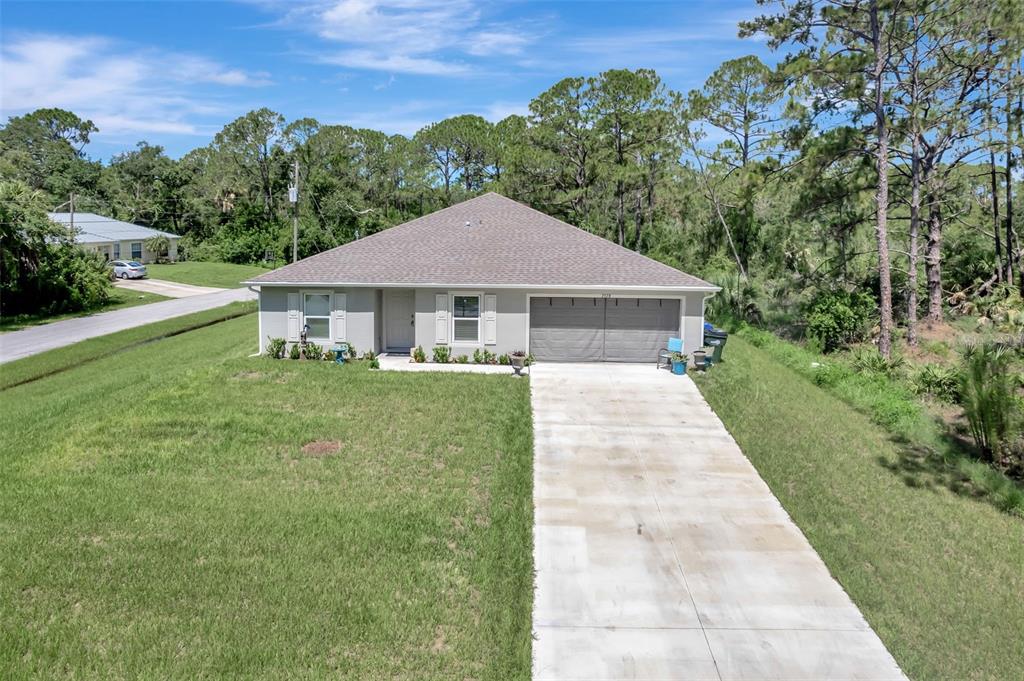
(543, 287)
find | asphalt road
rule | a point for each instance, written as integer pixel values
(35, 339)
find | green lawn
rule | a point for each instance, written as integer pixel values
(217, 274)
(119, 298)
(938, 574)
(180, 510)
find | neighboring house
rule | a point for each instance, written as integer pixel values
(114, 239)
(488, 274)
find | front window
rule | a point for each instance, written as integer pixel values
(117, 251)
(466, 319)
(137, 250)
(317, 311)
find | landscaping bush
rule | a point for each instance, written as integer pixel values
(330, 356)
(275, 347)
(369, 355)
(352, 351)
(838, 318)
(314, 351)
(489, 357)
(462, 359)
(478, 357)
(503, 360)
(418, 355)
(374, 362)
(442, 353)
(295, 352)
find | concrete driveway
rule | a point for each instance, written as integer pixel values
(171, 289)
(661, 554)
(36, 339)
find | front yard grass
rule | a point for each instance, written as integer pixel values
(937, 574)
(119, 298)
(180, 510)
(216, 274)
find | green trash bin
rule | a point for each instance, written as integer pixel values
(715, 338)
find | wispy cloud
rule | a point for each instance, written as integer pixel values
(124, 89)
(420, 37)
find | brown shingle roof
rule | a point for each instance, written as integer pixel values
(504, 244)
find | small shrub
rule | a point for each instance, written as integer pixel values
(838, 318)
(478, 357)
(987, 396)
(462, 359)
(871, 361)
(374, 362)
(529, 360)
(442, 353)
(489, 357)
(369, 355)
(295, 352)
(314, 351)
(418, 355)
(938, 381)
(352, 351)
(330, 356)
(503, 360)
(275, 347)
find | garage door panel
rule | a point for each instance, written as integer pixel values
(567, 329)
(636, 328)
(598, 329)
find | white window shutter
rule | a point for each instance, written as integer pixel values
(340, 317)
(490, 319)
(441, 319)
(293, 317)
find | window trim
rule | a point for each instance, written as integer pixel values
(132, 247)
(329, 316)
(452, 295)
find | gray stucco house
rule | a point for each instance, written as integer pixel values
(487, 273)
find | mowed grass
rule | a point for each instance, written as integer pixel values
(216, 274)
(938, 575)
(61, 359)
(160, 518)
(119, 298)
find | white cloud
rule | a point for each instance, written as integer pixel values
(422, 37)
(497, 111)
(123, 89)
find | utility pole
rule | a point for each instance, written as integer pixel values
(293, 196)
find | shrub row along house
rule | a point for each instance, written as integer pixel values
(116, 239)
(486, 274)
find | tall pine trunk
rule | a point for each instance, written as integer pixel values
(1009, 186)
(933, 259)
(882, 193)
(915, 223)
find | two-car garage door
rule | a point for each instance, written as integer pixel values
(564, 329)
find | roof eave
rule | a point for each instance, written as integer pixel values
(709, 288)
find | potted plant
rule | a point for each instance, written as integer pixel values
(678, 363)
(517, 358)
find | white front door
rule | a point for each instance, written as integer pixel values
(399, 317)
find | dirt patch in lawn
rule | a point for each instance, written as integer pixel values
(321, 448)
(249, 375)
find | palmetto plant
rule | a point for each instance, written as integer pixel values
(987, 396)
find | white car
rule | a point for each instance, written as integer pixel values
(128, 269)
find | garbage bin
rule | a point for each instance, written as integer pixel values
(715, 338)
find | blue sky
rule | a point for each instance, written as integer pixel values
(173, 73)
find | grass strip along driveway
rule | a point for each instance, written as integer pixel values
(217, 274)
(181, 510)
(937, 574)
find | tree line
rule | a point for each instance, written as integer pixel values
(880, 155)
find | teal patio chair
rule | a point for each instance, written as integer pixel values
(665, 354)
